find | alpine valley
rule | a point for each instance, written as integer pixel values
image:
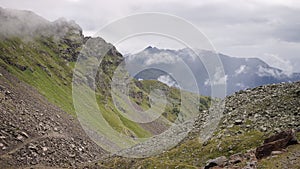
(39, 126)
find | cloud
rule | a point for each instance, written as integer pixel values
(151, 58)
(264, 71)
(166, 79)
(217, 79)
(235, 27)
(278, 62)
(240, 70)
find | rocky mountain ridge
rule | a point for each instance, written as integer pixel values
(240, 73)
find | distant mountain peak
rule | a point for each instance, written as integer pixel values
(149, 47)
(241, 73)
(152, 49)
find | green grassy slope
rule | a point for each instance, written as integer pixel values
(39, 64)
(47, 64)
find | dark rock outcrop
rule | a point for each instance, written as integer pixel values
(276, 143)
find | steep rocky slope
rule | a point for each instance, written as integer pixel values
(250, 117)
(34, 131)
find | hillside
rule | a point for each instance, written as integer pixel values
(41, 58)
(40, 127)
(36, 132)
(250, 117)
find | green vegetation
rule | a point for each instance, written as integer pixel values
(36, 63)
(47, 64)
(193, 153)
(282, 160)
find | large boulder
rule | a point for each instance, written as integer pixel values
(276, 143)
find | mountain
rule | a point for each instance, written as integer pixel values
(49, 89)
(40, 122)
(240, 73)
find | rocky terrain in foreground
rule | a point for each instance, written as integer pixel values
(268, 109)
(35, 132)
(258, 129)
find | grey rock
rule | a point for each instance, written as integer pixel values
(238, 122)
(220, 162)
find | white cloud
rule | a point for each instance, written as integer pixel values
(219, 78)
(263, 71)
(241, 69)
(278, 62)
(162, 57)
(150, 58)
(166, 79)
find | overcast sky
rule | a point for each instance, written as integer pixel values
(268, 29)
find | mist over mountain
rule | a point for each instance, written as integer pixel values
(26, 24)
(240, 73)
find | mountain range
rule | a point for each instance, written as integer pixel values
(239, 73)
(44, 123)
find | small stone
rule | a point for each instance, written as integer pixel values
(238, 122)
(24, 134)
(1, 145)
(72, 146)
(32, 147)
(72, 155)
(44, 148)
(20, 138)
(220, 162)
(236, 161)
(230, 126)
(263, 128)
(55, 129)
(1, 74)
(205, 143)
(273, 153)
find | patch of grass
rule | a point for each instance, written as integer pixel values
(120, 123)
(282, 160)
(192, 153)
(37, 64)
